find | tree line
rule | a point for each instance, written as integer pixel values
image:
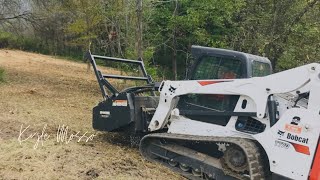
(161, 32)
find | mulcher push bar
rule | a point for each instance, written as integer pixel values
(102, 78)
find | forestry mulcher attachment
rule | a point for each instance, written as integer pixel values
(230, 119)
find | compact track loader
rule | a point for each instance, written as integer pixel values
(230, 119)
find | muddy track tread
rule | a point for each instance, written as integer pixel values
(254, 157)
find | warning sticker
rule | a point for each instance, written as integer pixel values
(105, 114)
(120, 103)
(293, 128)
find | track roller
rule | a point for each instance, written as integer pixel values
(196, 172)
(172, 163)
(184, 167)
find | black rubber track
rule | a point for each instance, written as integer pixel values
(256, 165)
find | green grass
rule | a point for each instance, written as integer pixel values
(1, 75)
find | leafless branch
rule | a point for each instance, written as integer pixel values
(19, 16)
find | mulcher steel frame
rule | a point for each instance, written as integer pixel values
(102, 78)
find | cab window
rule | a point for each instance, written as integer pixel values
(260, 69)
(211, 67)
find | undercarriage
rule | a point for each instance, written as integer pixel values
(198, 157)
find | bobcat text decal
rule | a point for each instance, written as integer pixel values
(297, 138)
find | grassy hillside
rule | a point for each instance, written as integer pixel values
(42, 93)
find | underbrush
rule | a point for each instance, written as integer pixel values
(2, 75)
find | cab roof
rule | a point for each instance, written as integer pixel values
(199, 51)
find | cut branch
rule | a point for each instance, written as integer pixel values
(19, 16)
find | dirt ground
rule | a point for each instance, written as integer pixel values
(43, 93)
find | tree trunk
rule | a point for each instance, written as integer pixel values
(174, 58)
(139, 28)
(174, 45)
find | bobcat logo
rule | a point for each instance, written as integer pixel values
(172, 89)
(280, 133)
(295, 120)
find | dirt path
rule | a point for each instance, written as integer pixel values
(42, 93)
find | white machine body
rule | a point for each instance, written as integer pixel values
(290, 143)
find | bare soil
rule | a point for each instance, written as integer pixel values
(42, 93)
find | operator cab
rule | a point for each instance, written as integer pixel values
(215, 63)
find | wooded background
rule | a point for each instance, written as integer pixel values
(162, 31)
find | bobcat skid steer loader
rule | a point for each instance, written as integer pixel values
(230, 119)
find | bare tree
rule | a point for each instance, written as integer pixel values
(139, 28)
(14, 9)
(174, 43)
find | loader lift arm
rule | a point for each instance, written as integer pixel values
(258, 89)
